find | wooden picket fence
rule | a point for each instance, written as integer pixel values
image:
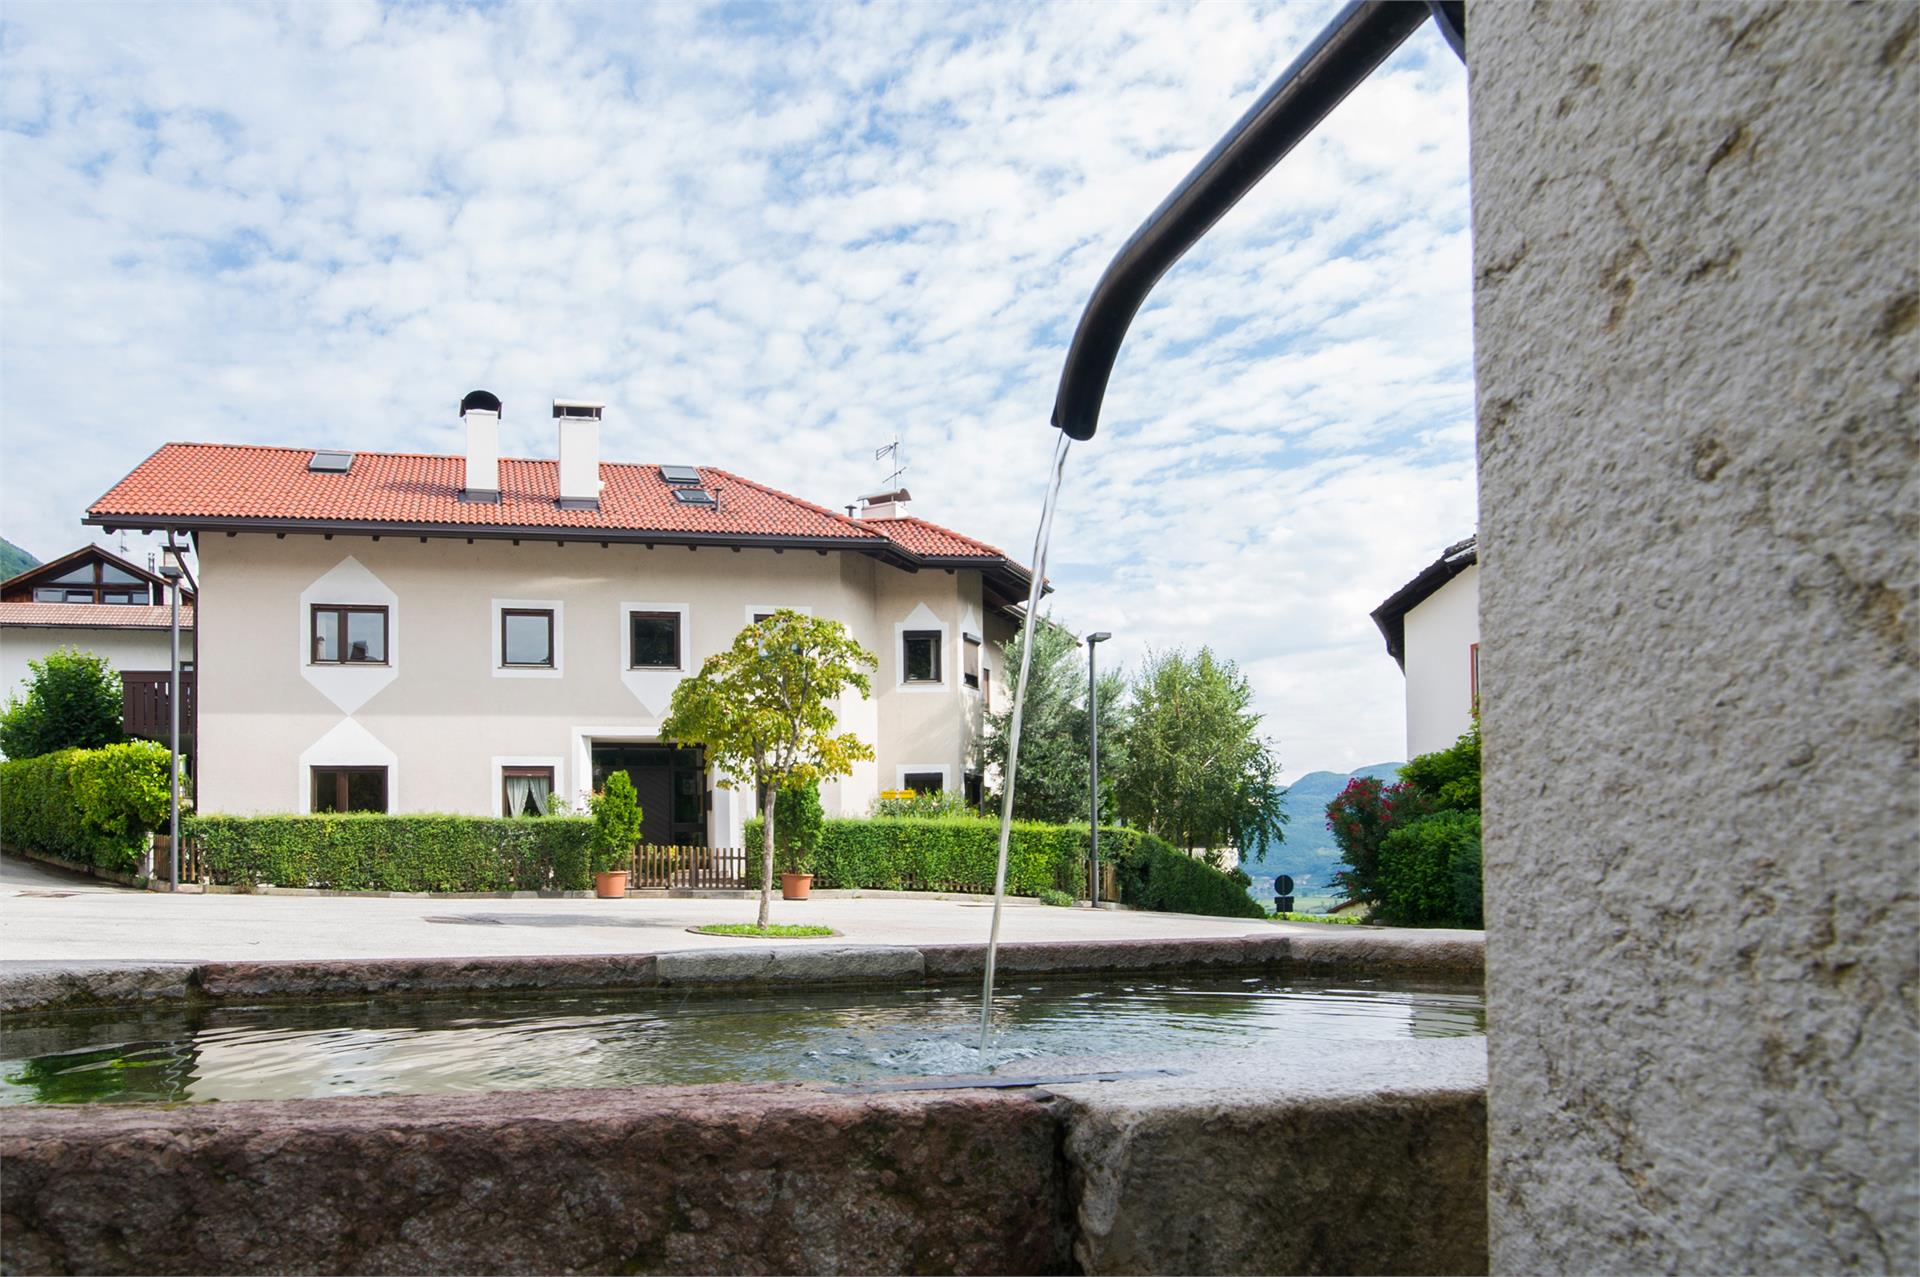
(662, 867)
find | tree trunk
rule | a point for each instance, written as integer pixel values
(766, 857)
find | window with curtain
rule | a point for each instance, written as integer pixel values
(527, 791)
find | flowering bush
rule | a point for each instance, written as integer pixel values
(1360, 818)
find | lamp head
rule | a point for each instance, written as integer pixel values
(1101, 637)
(171, 571)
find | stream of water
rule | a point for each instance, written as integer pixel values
(1034, 593)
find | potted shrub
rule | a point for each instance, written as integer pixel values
(796, 831)
(616, 828)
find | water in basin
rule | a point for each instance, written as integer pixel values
(406, 1046)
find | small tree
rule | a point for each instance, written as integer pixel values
(1195, 770)
(72, 702)
(1052, 785)
(616, 821)
(763, 710)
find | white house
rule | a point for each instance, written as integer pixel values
(1432, 628)
(98, 602)
(466, 633)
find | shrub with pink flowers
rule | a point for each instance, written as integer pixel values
(1361, 816)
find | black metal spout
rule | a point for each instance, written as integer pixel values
(1359, 39)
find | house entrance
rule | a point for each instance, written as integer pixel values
(672, 784)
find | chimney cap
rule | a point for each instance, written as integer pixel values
(481, 401)
(896, 495)
(586, 408)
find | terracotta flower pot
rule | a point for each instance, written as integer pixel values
(610, 884)
(795, 886)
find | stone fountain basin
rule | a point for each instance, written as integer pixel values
(1356, 1156)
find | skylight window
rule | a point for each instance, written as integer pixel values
(331, 462)
(694, 496)
(680, 474)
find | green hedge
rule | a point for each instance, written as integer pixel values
(1155, 875)
(86, 806)
(1430, 872)
(958, 854)
(371, 852)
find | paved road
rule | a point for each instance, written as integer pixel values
(49, 915)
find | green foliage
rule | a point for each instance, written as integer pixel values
(927, 805)
(1194, 769)
(88, 807)
(72, 701)
(1058, 899)
(764, 711)
(1449, 778)
(1361, 816)
(1412, 849)
(1316, 917)
(1424, 868)
(123, 789)
(958, 854)
(617, 821)
(1153, 875)
(363, 851)
(771, 931)
(1469, 905)
(797, 818)
(1052, 784)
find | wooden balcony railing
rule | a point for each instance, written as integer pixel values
(144, 704)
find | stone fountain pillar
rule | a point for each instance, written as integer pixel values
(1697, 361)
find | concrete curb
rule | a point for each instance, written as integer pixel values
(51, 986)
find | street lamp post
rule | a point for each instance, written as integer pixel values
(1093, 764)
(172, 571)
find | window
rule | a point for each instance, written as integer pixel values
(920, 656)
(654, 640)
(970, 673)
(986, 687)
(1473, 675)
(349, 789)
(975, 790)
(345, 635)
(762, 616)
(526, 791)
(526, 637)
(925, 782)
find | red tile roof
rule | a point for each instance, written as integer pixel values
(933, 540)
(231, 483)
(93, 616)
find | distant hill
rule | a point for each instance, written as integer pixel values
(1308, 853)
(14, 560)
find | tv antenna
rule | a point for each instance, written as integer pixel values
(899, 459)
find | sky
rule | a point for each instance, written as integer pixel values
(772, 238)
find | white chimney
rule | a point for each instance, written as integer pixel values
(481, 413)
(579, 426)
(885, 505)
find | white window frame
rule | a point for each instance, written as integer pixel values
(497, 767)
(945, 769)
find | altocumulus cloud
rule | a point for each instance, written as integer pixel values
(770, 237)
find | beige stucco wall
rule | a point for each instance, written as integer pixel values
(444, 718)
(1438, 651)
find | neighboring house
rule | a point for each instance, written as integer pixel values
(1432, 628)
(98, 602)
(406, 632)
